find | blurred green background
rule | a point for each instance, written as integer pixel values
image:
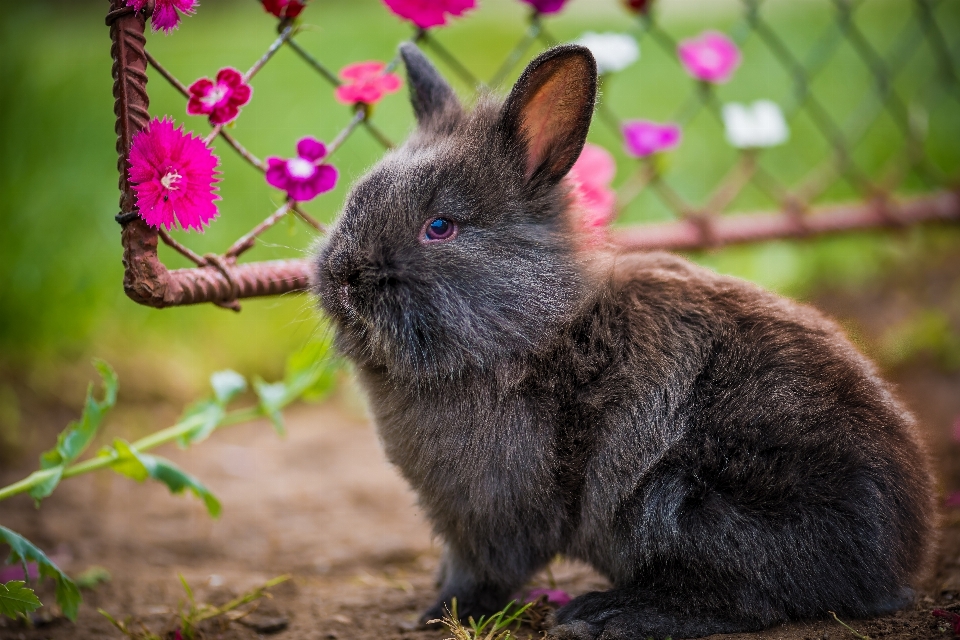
(61, 299)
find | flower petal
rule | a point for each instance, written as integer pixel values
(165, 17)
(362, 70)
(311, 149)
(276, 173)
(230, 77)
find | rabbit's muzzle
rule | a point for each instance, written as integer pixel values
(339, 278)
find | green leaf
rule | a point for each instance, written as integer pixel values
(227, 385)
(177, 480)
(78, 435)
(127, 460)
(273, 398)
(68, 595)
(140, 466)
(16, 598)
(208, 414)
(311, 371)
(43, 489)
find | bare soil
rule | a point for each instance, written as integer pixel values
(324, 506)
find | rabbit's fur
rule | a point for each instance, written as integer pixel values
(724, 456)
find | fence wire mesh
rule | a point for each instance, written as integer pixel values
(906, 84)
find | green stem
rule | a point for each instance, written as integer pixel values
(144, 444)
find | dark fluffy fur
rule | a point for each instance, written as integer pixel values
(724, 456)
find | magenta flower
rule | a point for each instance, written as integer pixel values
(165, 14)
(556, 597)
(952, 618)
(546, 6)
(365, 82)
(301, 177)
(429, 13)
(220, 99)
(591, 175)
(173, 175)
(288, 9)
(711, 56)
(644, 138)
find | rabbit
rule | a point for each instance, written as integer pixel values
(724, 456)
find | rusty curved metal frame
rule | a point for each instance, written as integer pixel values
(220, 280)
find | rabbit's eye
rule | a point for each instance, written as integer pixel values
(439, 229)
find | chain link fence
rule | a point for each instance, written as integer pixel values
(906, 186)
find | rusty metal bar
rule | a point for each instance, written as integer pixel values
(146, 280)
(689, 235)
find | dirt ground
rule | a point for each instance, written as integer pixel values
(324, 506)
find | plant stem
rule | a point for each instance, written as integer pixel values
(144, 444)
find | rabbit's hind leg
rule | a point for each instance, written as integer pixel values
(629, 614)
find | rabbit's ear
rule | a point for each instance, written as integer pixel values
(433, 99)
(548, 112)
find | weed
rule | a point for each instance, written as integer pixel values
(494, 627)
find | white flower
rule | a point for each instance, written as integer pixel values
(758, 125)
(613, 51)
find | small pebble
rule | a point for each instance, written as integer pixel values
(265, 624)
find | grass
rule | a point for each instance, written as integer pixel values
(61, 297)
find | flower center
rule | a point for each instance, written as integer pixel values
(215, 96)
(171, 179)
(301, 168)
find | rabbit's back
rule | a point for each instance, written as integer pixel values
(743, 443)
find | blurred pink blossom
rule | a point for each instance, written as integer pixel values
(15, 572)
(301, 177)
(173, 175)
(365, 82)
(220, 99)
(644, 138)
(429, 13)
(546, 6)
(711, 56)
(556, 597)
(165, 14)
(591, 175)
(288, 9)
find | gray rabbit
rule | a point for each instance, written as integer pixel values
(724, 456)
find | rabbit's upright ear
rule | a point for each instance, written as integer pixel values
(548, 113)
(433, 99)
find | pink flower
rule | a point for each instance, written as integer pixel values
(301, 177)
(288, 9)
(556, 597)
(429, 13)
(644, 138)
(546, 6)
(592, 174)
(366, 82)
(221, 100)
(173, 174)
(711, 56)
(165, 14)
(15, 572)
(952, 618)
